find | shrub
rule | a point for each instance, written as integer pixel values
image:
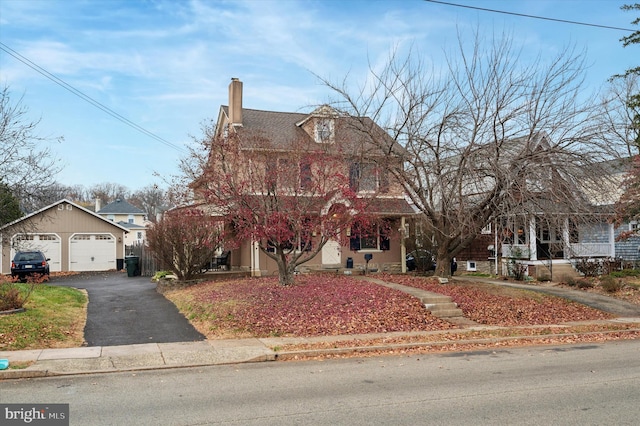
(160, 275)
(625, 273)
(611, 265)
(589, 267)
(517, 270)
(544, 278)
(584, 283)
(14, 295)
(611, 284)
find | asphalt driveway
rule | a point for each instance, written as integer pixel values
(126, 310)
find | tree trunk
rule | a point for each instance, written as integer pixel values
(285, 271)
(443, 262)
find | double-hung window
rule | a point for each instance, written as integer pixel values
(363, 177)
(366, 240)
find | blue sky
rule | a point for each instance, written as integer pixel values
(166, 65)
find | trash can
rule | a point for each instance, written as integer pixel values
(132, 263)
(349, 262)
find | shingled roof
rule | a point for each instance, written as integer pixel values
(284, 131)
(120, 206)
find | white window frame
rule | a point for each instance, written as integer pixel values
(324, 130)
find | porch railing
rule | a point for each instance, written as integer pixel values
(574, 250)
(590, 249)
(520, 251)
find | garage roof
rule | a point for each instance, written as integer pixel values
(64, 200)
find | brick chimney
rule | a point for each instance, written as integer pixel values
(235, 102)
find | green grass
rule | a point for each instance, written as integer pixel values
(54, 318)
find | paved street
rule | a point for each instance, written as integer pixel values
(575, 384)
(128, 310)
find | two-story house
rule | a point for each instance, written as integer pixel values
(313, 158)
(551, 240)
(128, 216)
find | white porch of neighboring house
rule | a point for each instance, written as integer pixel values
(552, 252)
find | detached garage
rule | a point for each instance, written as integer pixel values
(74, 238)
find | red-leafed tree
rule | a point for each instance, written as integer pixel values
(289, 202)
(184, 240)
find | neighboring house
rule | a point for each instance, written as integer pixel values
(128, 216)
(551, 246)
(72, 237)
(338, 137)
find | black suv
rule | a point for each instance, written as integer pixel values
(29, 263)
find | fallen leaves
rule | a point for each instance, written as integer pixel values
(493, 305)
(322, 305)
(316, 305)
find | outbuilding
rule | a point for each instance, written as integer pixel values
(71, 236)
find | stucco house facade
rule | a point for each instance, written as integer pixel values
(335, 135)
(71, 236)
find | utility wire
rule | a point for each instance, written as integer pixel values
(87, 98)
(530, 16)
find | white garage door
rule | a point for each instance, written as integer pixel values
(92, 252)
(49, 244)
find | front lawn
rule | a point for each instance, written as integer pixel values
(334, 305)
(316, 305)
(54, 317)
(505, 306)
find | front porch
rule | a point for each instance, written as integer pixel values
(549, 249)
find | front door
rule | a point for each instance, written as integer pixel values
(332, 254)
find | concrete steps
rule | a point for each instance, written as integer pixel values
(439, 305)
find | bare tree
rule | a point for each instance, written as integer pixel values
(108, 192)
(620, 115)
(152, 199)
(27, 165)
(490, 134)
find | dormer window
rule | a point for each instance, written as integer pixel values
(324, 130)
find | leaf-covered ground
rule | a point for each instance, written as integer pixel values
(501, 306)
(316, 305)
(322, 305)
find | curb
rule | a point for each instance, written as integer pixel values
(481, 343)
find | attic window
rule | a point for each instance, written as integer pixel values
(324, 130)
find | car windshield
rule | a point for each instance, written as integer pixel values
(28, 257)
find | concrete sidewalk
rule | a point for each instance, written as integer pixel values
(104, 359)
(150, 356)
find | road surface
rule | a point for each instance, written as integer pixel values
(589, 384)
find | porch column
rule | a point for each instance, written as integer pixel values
(612, 240)
(533, 250)
(566, 240)
(403, 246)
(255, 259)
